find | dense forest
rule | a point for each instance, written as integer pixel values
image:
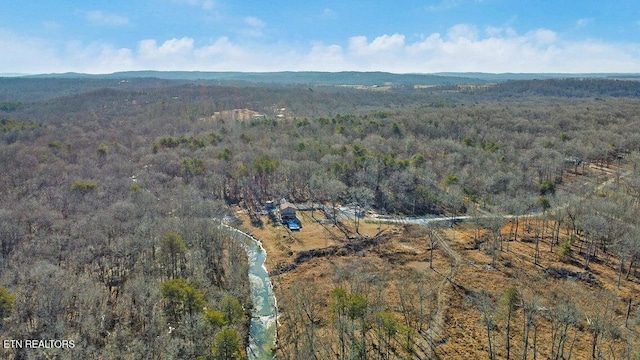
(112, 194)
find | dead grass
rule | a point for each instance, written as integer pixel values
(407, 252)
(282, 244)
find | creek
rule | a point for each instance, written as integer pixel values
(264, 316)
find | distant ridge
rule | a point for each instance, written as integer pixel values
(490, 77)
(334, 78)
(13, 74)
(286, 77)
(353, 78)
(47, 86)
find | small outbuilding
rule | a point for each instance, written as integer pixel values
(269, 207)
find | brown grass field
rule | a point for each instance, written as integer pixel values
(404, 255)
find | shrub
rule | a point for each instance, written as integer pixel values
(547, 187)
(565, 249)
(83, 187)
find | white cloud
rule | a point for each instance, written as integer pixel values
(254, 22)
(221, 55)
(204, 4)
(492, 31)
(461, 48)
(51, 25)
(385, 43)
(539, 50)
(105, 19)
(463, 32)
(449, 4)
(255, 27)
(541, 37)
(175, 47)
(385, 49)
(208, 4)
(23, 54)
(328, 14)
(444, 5)
(96, 57)
(323, 57)
(583, 22)
(222, 46)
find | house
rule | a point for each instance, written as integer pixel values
(287, 211)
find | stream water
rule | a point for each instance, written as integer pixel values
(262, 329)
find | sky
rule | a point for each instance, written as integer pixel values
(399, 36)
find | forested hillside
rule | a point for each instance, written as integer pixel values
(109, 199)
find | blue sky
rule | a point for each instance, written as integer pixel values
(409, 36)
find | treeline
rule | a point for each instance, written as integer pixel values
(575, 87)
(25, 89)
(7, 125)
(411, 155)
(9, 105)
